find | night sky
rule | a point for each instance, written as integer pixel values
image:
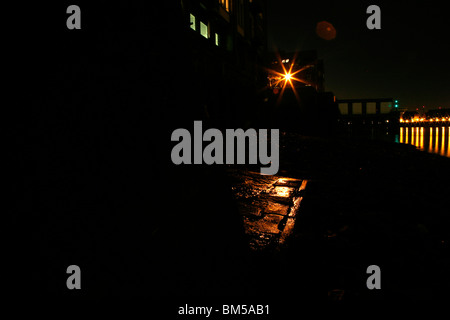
(408, 59)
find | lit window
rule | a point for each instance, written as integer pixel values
(217, 39)
(203, 29)
(225, 4)
(192, 20)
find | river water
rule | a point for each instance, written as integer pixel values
(433, 139)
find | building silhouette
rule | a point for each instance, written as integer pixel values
(370, 111)
(312, 68)
(299, 102)
(227, 42)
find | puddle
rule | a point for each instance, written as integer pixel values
(268, 206)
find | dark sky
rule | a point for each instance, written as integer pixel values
(408, 59)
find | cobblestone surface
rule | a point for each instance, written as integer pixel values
(268, 206)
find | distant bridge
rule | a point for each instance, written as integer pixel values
(369, 111)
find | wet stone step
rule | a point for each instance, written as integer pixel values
(261, 207)
(251, 208)
(276, 208)
(263, 241)
(284, 192)
(267, 206)
(284, 182)
(268, 224)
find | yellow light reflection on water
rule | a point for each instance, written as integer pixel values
(417, 138)
(443, 142)
(421, 138)
(448, 141)
(436, 142)
(430, 147)
(437, 138)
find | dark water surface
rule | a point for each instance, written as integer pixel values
(432, 139)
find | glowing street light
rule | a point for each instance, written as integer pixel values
(286, 77)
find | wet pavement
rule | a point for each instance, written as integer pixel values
(268, 206)
(336, 207)
(353, 203)
(371, 202)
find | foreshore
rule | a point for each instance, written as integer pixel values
(176, 231)
(372, 203)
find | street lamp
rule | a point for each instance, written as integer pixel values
(288, 76)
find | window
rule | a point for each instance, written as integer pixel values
(385, 107)
(357, 108)
(192, 20)
(217, 39)
(343, 108)
(225, 4)
(371, 108)
(204, 30)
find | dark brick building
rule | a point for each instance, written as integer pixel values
(227, 40)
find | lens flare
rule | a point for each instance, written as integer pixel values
(287, 76)
(325, 30)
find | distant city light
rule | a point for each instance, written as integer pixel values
(435, 119)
